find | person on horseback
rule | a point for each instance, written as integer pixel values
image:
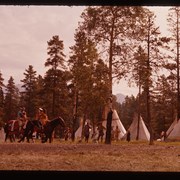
(42, 117)
(22, 118)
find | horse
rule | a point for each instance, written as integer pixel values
(13, 130)
(49, 128)
(31, 127)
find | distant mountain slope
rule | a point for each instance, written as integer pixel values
(120, 97)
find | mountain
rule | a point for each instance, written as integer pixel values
(120, 97)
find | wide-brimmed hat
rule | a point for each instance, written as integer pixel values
(40, 109)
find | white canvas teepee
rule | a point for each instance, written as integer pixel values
(143, 133)
(173, 133)
(78, 133)
(115, 122)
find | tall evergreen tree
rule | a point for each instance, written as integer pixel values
(56, 77)
(174, 28)
(89, 77)
(29, 94)
(41, 92)
(11, 100)
(148, 60)
(128, 108)
(112, 27)
(164, 104)
(1, 98)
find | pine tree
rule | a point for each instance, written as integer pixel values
(89, 78)
(174, 28)
(11, 100)
(1, 98)
(29, 94)
(56, 77)
(113, 28)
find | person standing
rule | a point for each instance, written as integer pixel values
(128, 138)
(116, 133)
(87, 129)
(100, 132)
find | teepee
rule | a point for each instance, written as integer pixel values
(78, 133)
(173, 133)
(115, 122)
(142, 133)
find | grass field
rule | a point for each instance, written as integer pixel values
(70, 156)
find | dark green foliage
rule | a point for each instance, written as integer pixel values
(29, 95)
(11, 100)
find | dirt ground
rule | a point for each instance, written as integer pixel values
(62, 156)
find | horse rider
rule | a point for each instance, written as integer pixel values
(22, 118)
(42, 117)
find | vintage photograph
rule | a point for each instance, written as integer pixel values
(90, 88)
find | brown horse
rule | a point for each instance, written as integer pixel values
(49, 128)
(31, 127)
(13, 130)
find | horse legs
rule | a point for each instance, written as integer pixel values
(13, 139)
(30, 136)
(44, 137)
(10, 138)
(22, 138)
(50, 139)
(6, 137)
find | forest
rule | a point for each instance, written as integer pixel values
(111, 43)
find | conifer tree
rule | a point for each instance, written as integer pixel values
(89, 77)
(174, 63)
(29, 93)
(56, 76)
(1, 98)
(11, 100)
(113, 28)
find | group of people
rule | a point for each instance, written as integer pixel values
(41, 116)
(100, 129)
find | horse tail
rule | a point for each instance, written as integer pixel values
(62, 122)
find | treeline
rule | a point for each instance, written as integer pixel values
(111, 43)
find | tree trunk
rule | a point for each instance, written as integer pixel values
(108, 127)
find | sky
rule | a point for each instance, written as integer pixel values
(25, 30)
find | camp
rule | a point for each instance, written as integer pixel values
(115, 122)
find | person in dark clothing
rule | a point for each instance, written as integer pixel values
(128, 138)
(87, 129)
(101, 129)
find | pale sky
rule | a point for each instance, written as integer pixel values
(25, 30)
